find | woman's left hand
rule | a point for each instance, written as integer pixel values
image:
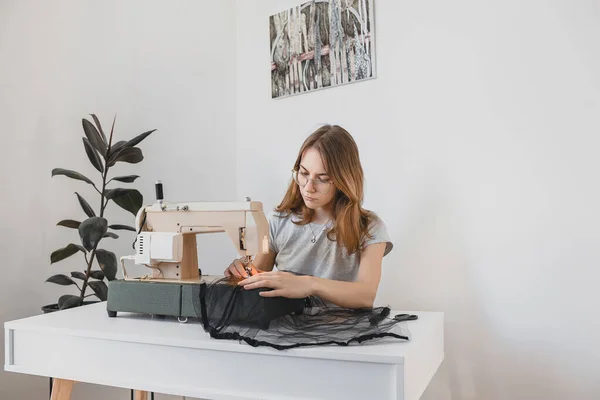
(284, 284)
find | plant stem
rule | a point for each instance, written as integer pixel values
(102, 203)
(102, 207)
(87, 273)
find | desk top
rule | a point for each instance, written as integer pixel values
(92, 321)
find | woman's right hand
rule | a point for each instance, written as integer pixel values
(237, 269)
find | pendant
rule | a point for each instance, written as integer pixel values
(314, 239)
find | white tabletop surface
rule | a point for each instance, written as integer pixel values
(396, 369)
(92, 321)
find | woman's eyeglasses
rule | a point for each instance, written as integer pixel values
(302, 180)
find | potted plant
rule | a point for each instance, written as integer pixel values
(103, 154)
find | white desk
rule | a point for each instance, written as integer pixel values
(164, 356)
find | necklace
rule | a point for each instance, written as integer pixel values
(314, 237)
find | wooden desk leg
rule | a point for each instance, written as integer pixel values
(141, 395)
(61, 389)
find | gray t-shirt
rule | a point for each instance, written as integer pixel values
(324, 258)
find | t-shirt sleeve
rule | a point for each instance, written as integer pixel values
(379, 234)
(274, 221)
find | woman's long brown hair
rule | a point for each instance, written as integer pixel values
(339, 153)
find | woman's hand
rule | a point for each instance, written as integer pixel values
(284, 284)
(238, 270)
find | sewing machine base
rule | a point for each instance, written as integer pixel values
(177, 300)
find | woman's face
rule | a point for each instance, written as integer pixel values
(318, 190)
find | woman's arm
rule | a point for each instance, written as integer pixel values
(360, 293)
(264, 262)
(357, 294)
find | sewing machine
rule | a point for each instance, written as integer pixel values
(166, 243)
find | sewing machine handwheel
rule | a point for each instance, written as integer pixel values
(112, 314)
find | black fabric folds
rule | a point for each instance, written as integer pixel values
(228, 311)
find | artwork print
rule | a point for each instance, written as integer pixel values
(321, 44)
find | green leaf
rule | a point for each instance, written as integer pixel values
(131, 155)
(72, 174)
(65, 252)
(69, 223)
(91, 232)
(138, 138)
(122, 227)
(92, 155)
(85, 205)
(68, 301)
(97, 121)
(112, 129)
(115, 148)
(78, 275)
(126, 179)
(111, 235)
(97, 275)
(94, 137)
(61, 279)
(128, 199)
(100, 288)
(108, 263)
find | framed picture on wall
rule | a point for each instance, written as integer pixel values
(321, 44)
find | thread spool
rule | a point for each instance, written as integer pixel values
(159, 191)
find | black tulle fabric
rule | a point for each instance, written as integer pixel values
(228, 311)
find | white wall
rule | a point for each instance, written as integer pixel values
(477, 137)
(479, 141)
(156, 64)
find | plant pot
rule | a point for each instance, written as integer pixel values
(54, 307)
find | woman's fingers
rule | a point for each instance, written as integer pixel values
(240, 267)
(273, 293)
(236, 269)
(261, 283)
(232, 270)
(252, 279)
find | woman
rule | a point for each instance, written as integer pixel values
(322, 241)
